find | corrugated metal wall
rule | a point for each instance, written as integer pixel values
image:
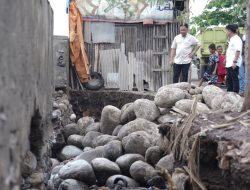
(138, 58)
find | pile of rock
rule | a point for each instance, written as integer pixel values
(125, 147)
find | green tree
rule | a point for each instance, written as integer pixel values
(222, 12)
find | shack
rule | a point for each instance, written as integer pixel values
(128, 41)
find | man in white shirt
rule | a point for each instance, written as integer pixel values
(233, 58)
(183, 48)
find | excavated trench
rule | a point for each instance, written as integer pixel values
(217, 169)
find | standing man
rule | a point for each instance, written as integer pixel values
(183, 48)
(233, 58)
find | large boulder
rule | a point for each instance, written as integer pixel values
(91, 154)
(168, 118)
(230, 102)
(54, 162)
(71, 129)
(116, 130)
(210, 92)
(75, 140)
(167, 97)
(139, 125)
(83, 123)
(186, 106)
(137, 142)
(166, 162)
(127, 113)
(104, 168)
(70, 184)
(69, 152)
(104, 139)
(142, 172)
(78, 170)
(54, 182)
(146, 109)
(90, 139)
(113, 150)
(113, 180)
(180, 85)
(153, 155)
(126, 160)
(110, 118)
(93, 127)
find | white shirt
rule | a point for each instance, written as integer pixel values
(184, 46)
(235, 44)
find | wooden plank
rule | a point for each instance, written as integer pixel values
(160, 37)
(160, 53)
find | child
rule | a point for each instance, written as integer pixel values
(222, 72)
(210, 74)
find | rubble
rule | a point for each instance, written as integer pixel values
(146, 139)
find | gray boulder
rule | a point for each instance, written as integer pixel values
(87, 149)
(167, 162)
(91, 154)
(116, 130)
(71, 129)
(127, 160)
(137, 142)
(104, 139)
(180, 85)
(72, 184)
(93, 127)
(90, 139)
(230, 102)
(210, 92)
(127, 113)
(113, 150)
(168, 118)
(139, 125)
(146, 109)
(54, 182)
(142, 172)
(75, 140)
(186, 106)
(153, 155)
(104, 168)
(68, 152)
(164, 111)
(78, 170)
(110, 118)
(29, 164)
(54, 162)
(198, 90)
(130, 182)
(167, 97)
(83, 123)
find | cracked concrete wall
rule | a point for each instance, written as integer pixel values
(26, 80)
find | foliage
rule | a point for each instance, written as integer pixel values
(222, 12)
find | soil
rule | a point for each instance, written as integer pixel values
(237, 176)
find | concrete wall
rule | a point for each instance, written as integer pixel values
(26, 83)
(61, 61)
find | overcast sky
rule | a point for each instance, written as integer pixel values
(197, 6)
(61, 18)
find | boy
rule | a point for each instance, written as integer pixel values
(210, 74)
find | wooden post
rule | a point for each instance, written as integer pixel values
(246, 105)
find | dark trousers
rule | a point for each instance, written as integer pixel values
(178, 69)
(233, 79)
